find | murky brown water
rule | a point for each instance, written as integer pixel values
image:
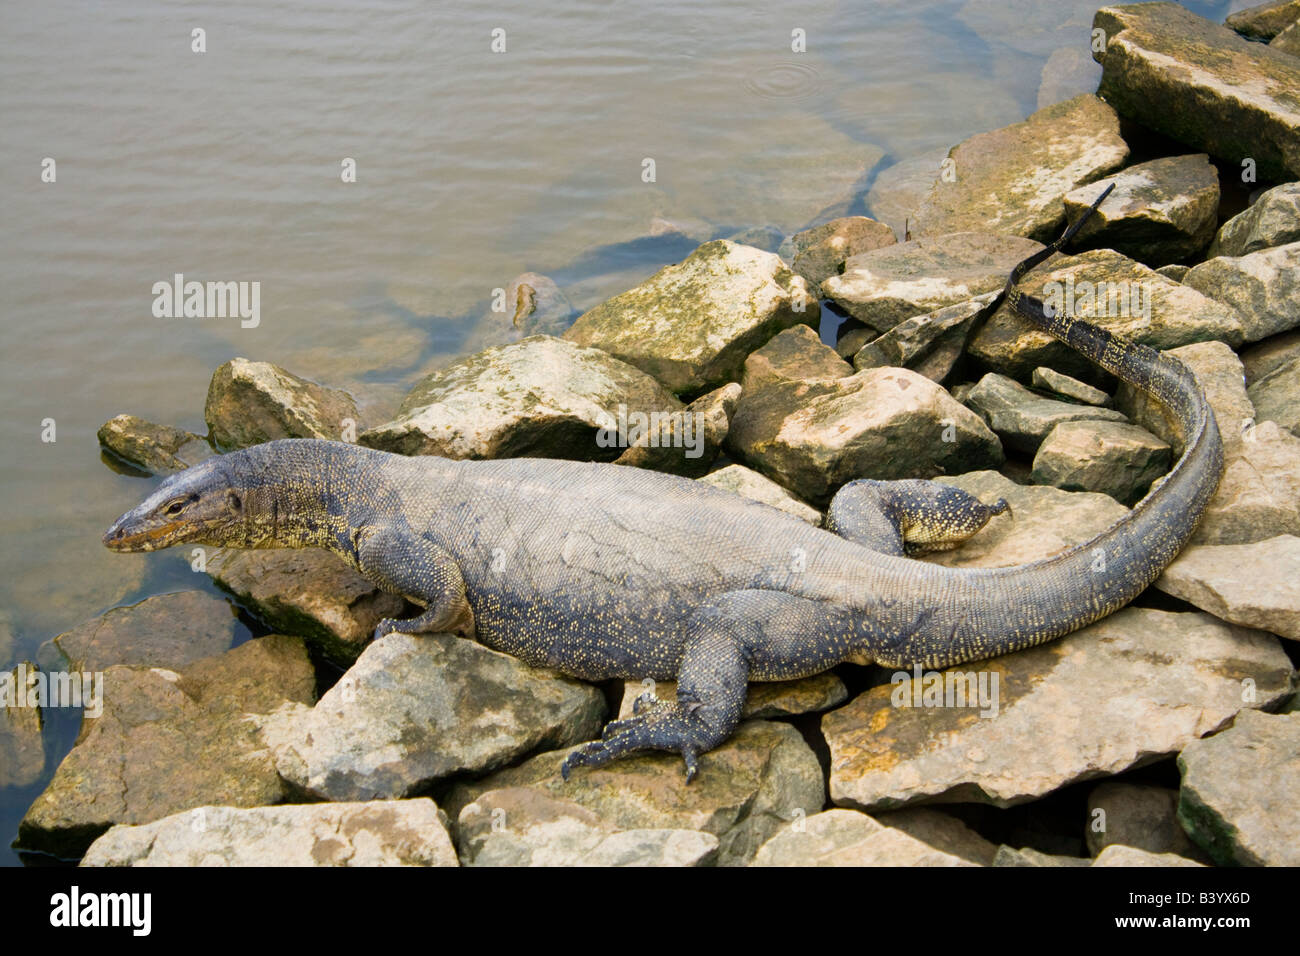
(472, 166)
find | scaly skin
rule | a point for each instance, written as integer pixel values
(604, 571)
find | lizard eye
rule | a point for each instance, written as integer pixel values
(173, 508)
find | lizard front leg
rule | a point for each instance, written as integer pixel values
(404, 562)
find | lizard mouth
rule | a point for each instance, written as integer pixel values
(128, 535)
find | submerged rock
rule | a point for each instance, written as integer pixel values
(540, 397)
(1023, 419)
(1160, 212)
(1273, 220)
(533, 305)
(1263, 288)
(379, 833)
(746, 789)
(1237, 799)
(750, 484)
(168, 742)
(1013, 180)
(1201, 84)
(308, 592)
(819, 252)
(898, 190)
(1114, 458)
(848, 838)
(889, 285)
(690, 325)
(158, 449)
(414, 710)
(253, 402)
(1182, 673)
(1254, 585)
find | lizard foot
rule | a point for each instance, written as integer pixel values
(659, 726)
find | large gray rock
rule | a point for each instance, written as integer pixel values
(522, 826)
(1021, 418)
(1259, 493)
(1041, 522)
(1113, 458)
(1201, 84)
(1161, 211)
(879, 423)
(1156, 681)
(539, 397)
(746, 789)
(308, 592)
(1276, 396)
(750, 484)
(380, 833)
(158, 449)
(848, 838)
(1272, 220)
(167, 630)
(1111, 291)
(1135, 816)
(1264, 21)
(929, 344)
(414, 710)
(886, 286)
(1255, 585)
(168, 742)
(22, 750)
(1013, 180)
(819, 252)
(690, 325)
(1262, 287)
(1237, 799)
(253, 402)
(795, 355)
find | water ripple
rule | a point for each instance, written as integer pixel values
(785, 81)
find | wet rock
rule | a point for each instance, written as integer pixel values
(1219, 373)
(1071, 388)
(1113, 458)
(1272, 220)
(1249, 584)
(886, 286)
(812, 437)
(540, 397)
(847, 838)
(1135, 816)
(928, 344)
(767, 238)
(380, 833)
(750, 484)
(1263, 287)
(1127, 856)
(158, 449)
(1276, 396)
(532, 304)
(763, 776)
(1012, 180)
(1068, 72)
(1259, 493)
(795, 355)
(168, 742)
(22, 750)
(1160, 212)
(1201, 84)
(1237, 798)
(819, 252)
(899, 190)
(1021, 418)
(413, 710)
(167, 630)
(787, 698)
(1270, 354)
(253, 402)
(689, 442)
(1264, 21)
(519, 826)
(1111, 291)
(941, 831)
(311, 593)
(1182, 673)
(690, 325)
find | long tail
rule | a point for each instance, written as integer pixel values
(985, 612)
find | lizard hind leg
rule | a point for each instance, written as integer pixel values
(908, 517)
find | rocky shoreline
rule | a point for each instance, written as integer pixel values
(1165, 735)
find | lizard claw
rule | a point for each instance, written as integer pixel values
(666, 727)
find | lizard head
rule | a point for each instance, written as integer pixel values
(202, 503)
